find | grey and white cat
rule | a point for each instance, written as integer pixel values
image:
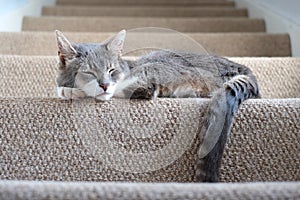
(99, 71)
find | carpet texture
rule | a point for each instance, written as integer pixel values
(144, 191)
(224, 44)
(147, 141)
(114, 24)
(34, 76)
(142, 11)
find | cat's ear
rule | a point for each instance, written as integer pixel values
(65, 49)
(116, 43)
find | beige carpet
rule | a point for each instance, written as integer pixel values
(142, 11)
(34, 76)
(148, 141)
(11, 190)
(146, 2)
(223, 44)
(114, 24)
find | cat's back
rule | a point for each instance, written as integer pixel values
(170, 57)
(185, 74)
(199, 63)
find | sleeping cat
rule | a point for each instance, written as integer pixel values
(99, 71)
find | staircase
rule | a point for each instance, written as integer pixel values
(45, 147)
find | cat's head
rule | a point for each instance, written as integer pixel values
(96, 69)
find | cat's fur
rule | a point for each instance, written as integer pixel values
(99, 71)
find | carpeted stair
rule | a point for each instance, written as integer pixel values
(145, 2)
(108, 24)
(39, 72)
(225, 44)
(47, 145)
(143, 11)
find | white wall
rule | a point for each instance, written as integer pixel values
(281, 16)
(12, 12)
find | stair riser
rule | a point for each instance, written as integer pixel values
(229, 44)
(146, 2)
(106, 24)
(277, 77)
(51, 139)
(140, 11)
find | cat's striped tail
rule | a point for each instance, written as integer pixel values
(224, 106)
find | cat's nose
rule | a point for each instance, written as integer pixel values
(104, 86)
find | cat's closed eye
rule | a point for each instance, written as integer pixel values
(111, 71)
(90, 74)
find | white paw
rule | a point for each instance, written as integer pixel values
(70, 93)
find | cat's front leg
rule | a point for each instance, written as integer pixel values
(70, 93)
(137, 90)
(144, 93)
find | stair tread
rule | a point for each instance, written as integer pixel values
(104, 190)
(106, 24)
(225, 44)
(277, 77)
(146, 2)
(153, 11)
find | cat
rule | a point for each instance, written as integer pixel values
(99, 71)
